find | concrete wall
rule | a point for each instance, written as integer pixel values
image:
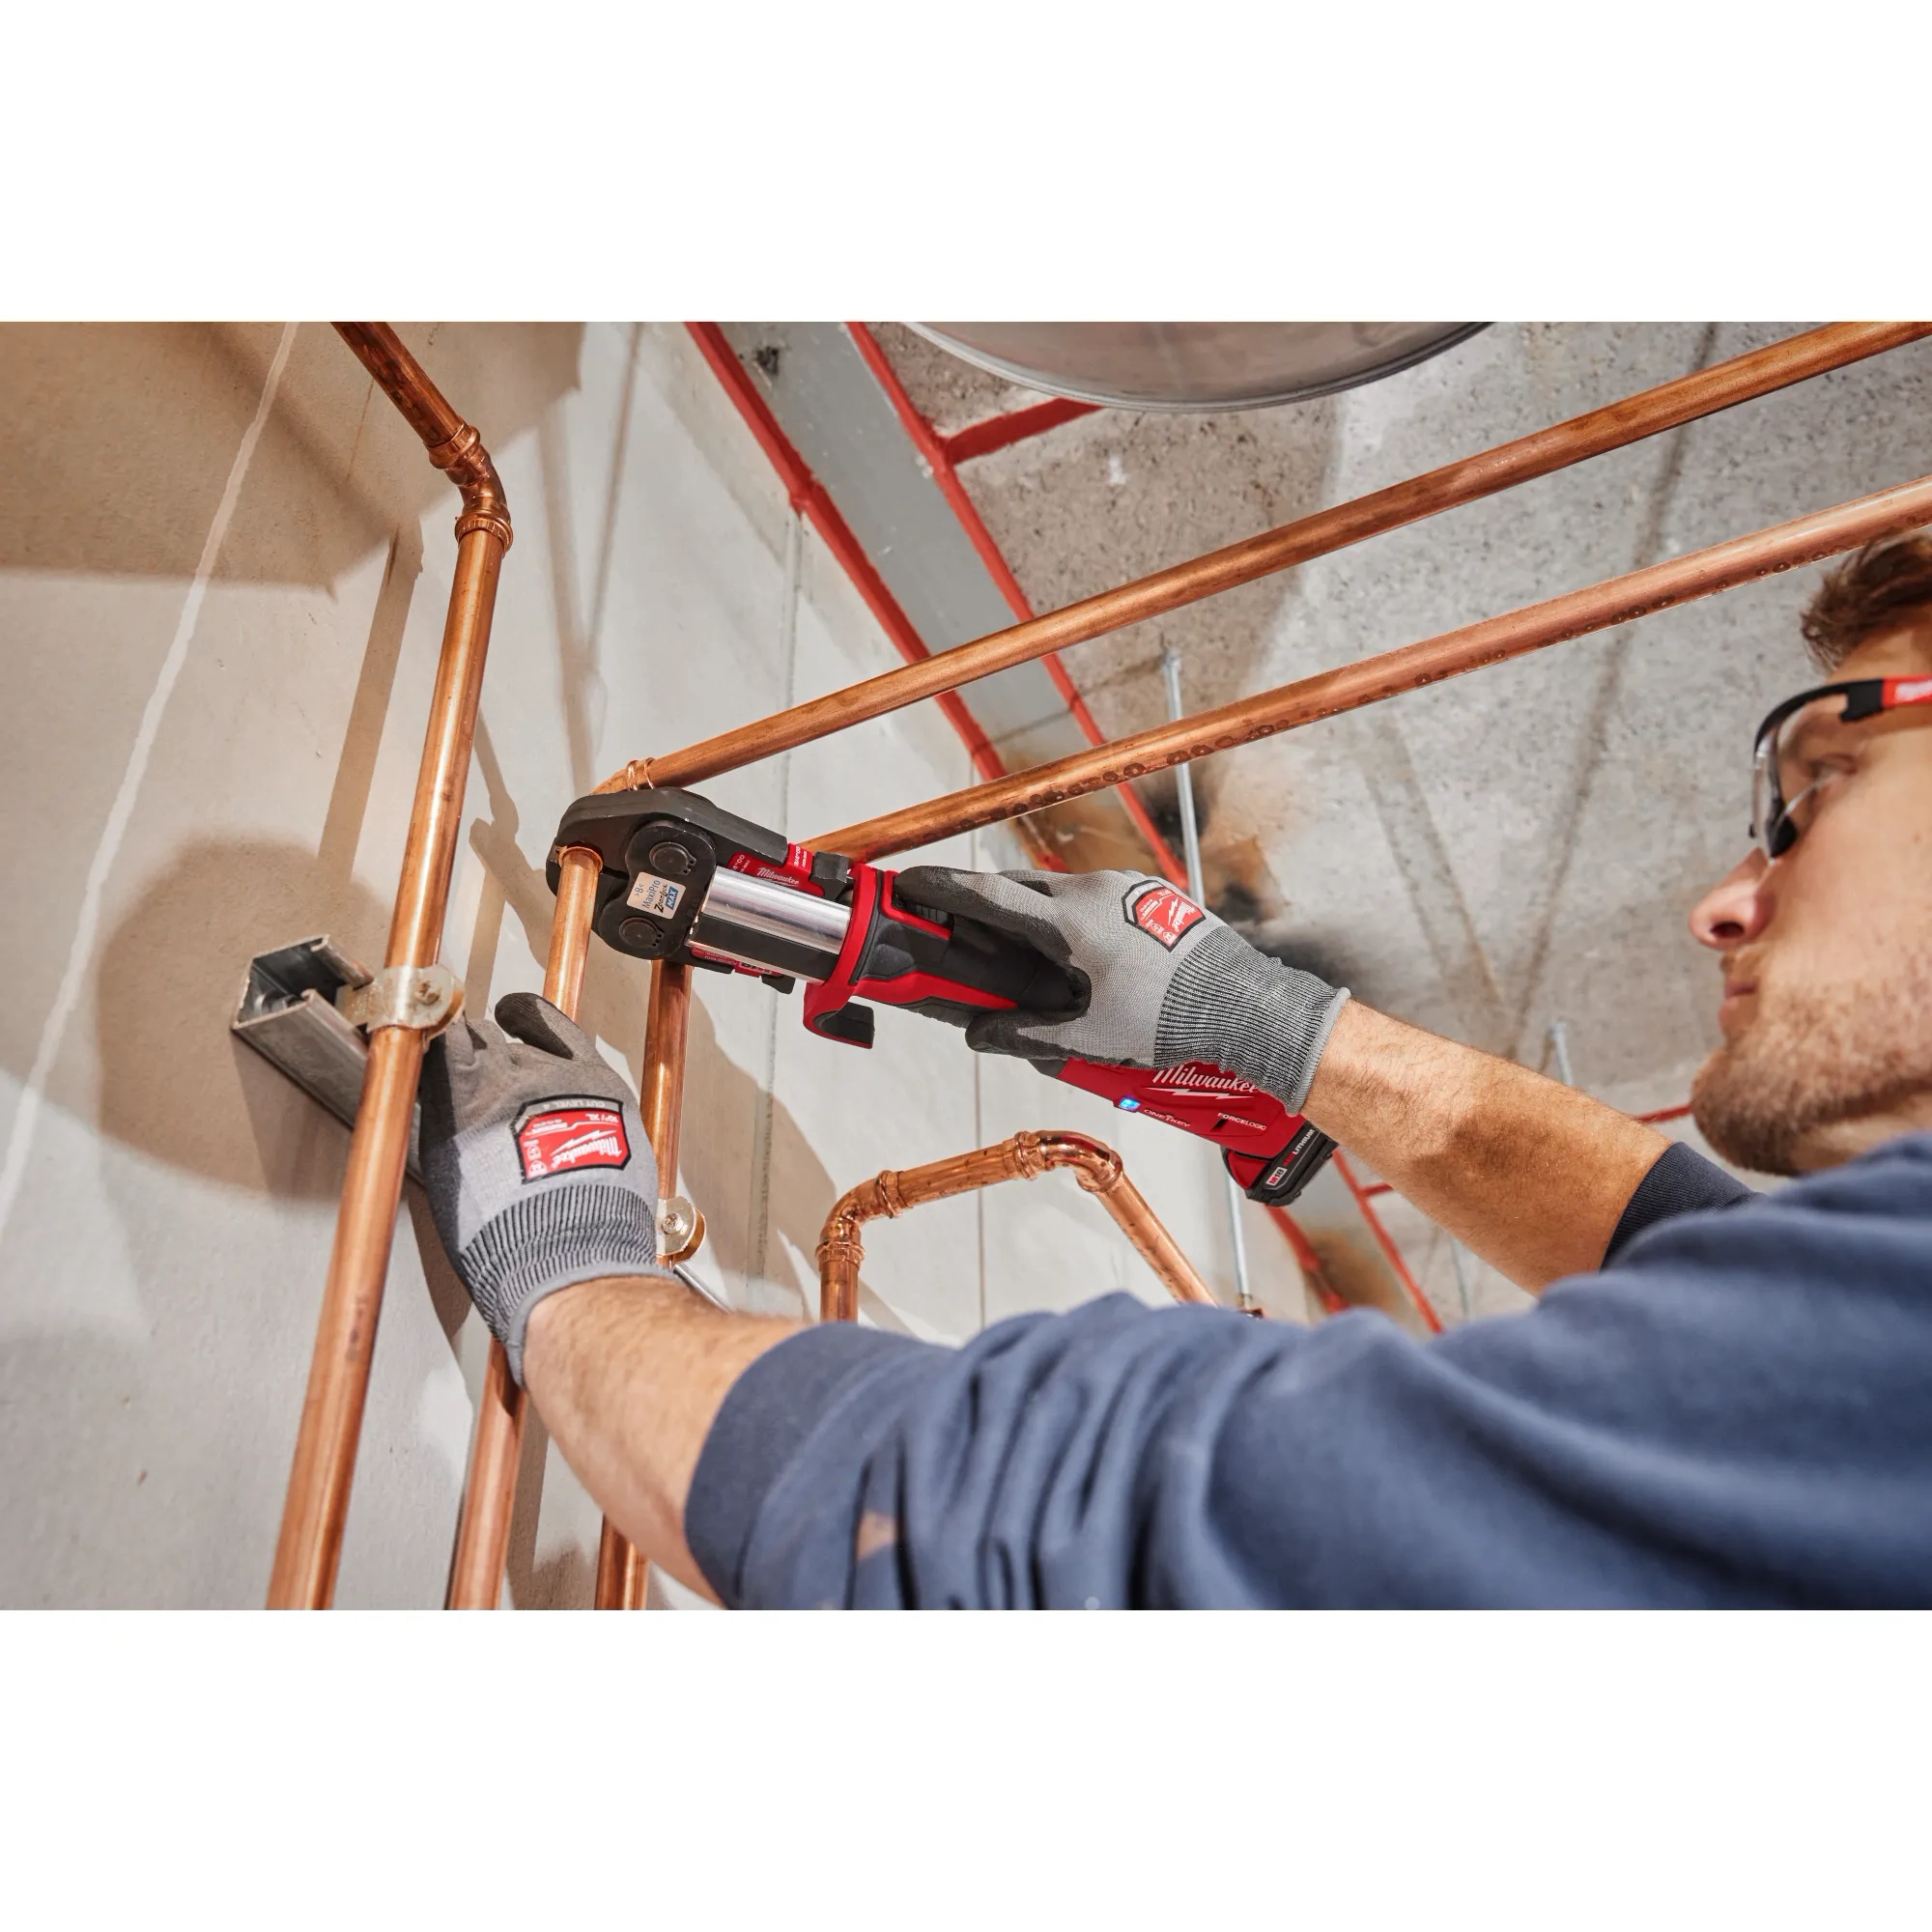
(223, 567)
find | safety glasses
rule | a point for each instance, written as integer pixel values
(1801, 749)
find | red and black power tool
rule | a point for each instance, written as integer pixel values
(687, 881)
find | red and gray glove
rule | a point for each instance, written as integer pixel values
(535, 1162)
(1162, 980)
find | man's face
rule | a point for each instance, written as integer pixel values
(1826, 1014)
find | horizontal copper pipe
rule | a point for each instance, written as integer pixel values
(1495, 639)
(622, 1573)
(1702, 393)
(309, 1548)
(842, 1249)
(483, 1534)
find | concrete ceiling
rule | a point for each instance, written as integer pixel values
(1486, 857)
(1509, 848)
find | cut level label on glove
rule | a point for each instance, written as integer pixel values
(652, 893)
(1162, 912)
(564, 1137)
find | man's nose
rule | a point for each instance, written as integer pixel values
(1735, 910)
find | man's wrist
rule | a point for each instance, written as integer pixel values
(1238, 1008)
(656, 1289)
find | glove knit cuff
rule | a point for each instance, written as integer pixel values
(1239, 1009)
(555, 1237)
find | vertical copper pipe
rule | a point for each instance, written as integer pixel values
(578, 868)
(310, 1546)
(488, 1501)
(622, 1573)
(1133, 1215)
(1098, 1169)
(309, 1550)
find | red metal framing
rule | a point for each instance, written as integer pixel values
(808, 496)
(938, 457)
(982, 439)
(1386, 1241)
(926, 440)
(1309, 1261)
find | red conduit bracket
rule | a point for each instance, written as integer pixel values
(982, 439)
(1393, 1253)
(1364, 1195)
(809, 498)
(926, 441)
(1309, 1261)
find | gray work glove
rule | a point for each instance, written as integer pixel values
(1162, 980)
(535, 1161)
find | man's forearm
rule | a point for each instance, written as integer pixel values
(629, 1375)
(1530, 1174)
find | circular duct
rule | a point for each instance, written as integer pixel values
(1194, 365)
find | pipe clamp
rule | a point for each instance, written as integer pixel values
(425, 999)
(680, 1230)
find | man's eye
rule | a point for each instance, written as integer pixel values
(1822, 771)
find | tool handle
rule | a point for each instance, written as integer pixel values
(899, 953)
(1272, 1153)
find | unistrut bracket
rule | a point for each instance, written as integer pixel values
(290, 1013)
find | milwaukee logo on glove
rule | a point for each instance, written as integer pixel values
(555, 1138)
(1162, 912)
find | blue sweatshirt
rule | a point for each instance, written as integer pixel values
(1735, 1409)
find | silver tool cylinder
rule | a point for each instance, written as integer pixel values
(776, 928)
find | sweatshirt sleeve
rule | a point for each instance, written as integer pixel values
(1680, 1182)
(1733, 1413)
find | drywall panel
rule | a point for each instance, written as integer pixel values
(204, 761)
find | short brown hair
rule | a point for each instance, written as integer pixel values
(1875, 590)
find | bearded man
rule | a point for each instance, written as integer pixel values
(1721, 1397)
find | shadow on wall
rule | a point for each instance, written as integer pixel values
(120, 438)
(169, 977)
(765, 1203)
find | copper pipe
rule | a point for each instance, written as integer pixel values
(1495, 639)
(454, 447)
(622, 1572)
(1688, 398)
(841, 1248)
(578, 869)
(309, 1550)
(488, 1501)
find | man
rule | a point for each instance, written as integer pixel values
(1724, 1398)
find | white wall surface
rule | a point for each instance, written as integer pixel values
(210, 750)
